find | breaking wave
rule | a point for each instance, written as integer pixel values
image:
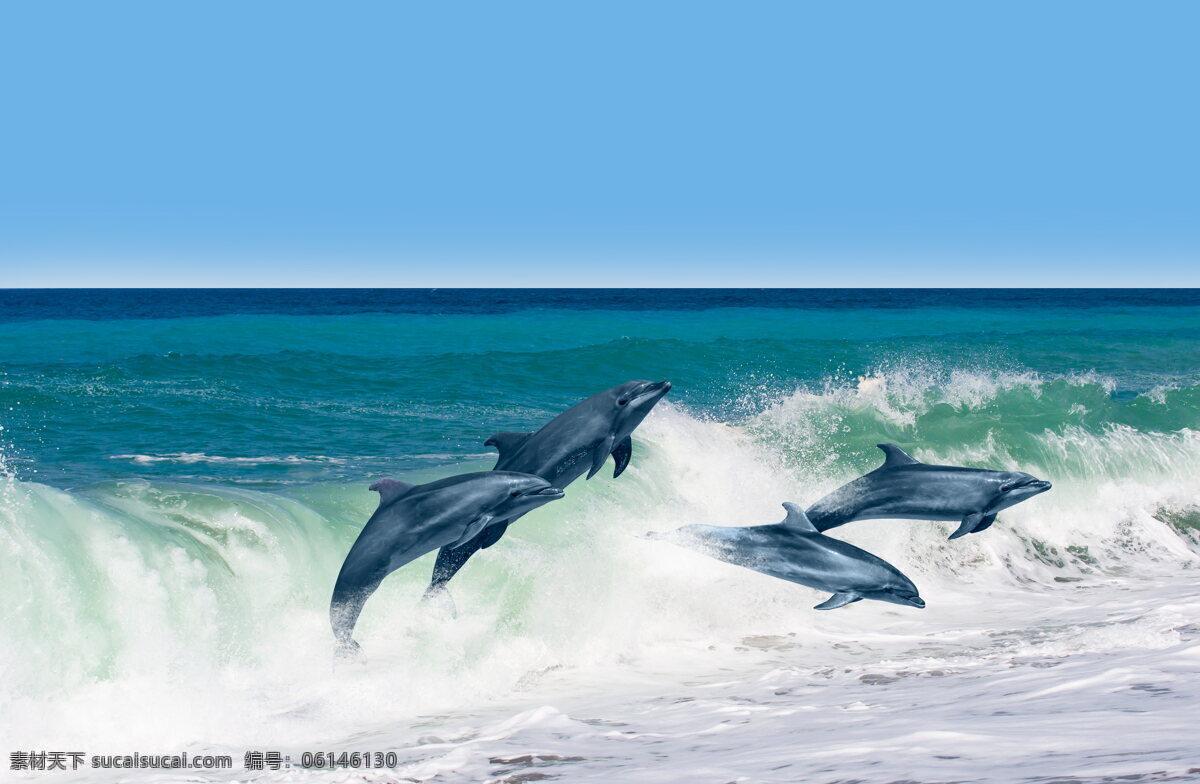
(200, 611)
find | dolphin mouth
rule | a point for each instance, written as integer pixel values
(915, 601)
(544, 492)
(1036, 485)
(651, 388)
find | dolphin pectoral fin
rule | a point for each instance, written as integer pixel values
(621, 455)
(473, 529)
(968, 524)
(984, 524)
(600, 454)
(491, 535)
(838, 600)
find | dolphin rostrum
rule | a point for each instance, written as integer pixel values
(794, 550)
(578, 440)
(906, 488)
(416, 519)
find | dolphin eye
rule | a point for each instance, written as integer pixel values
(514, 493)
(622, 402)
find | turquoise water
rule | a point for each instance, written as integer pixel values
(183, 473)
(308, 398)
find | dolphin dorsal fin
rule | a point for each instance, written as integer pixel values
(895, 456)
(507, 443)
(390, 489)
(796, 519)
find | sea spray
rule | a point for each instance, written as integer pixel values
(214, 597)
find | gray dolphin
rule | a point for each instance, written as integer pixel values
(906, 488)
(794, 550)
(416, 519)
(577, 440)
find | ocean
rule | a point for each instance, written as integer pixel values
(183, 471)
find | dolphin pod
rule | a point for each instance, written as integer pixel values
(463, 514)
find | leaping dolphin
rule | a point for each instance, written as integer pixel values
(577, 440)
(906, 488)
(416, 519)
(794, 550)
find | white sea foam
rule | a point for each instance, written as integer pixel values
(187, 458)
(200, 457)
(163, 619)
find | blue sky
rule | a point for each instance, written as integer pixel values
(619, 144)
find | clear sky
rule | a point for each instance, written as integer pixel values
(612, 144)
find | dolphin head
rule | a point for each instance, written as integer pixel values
(908, 598)
(897, 589)
(631, 402)
(515, 493)
(1015, 487)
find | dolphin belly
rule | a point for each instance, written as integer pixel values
(802, 560)
(881, 508)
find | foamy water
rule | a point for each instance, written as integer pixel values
(1062, 644)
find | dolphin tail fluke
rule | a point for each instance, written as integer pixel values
(438, 595)
(600, 454)
(449, 561)
(838, 600)
(621, 455)
(347, 649)
(343, 615)
(969, 524)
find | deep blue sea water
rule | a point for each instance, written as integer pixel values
(306, 385)
(182, 472)
(108, 304)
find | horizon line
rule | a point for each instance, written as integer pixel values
(600, 288)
